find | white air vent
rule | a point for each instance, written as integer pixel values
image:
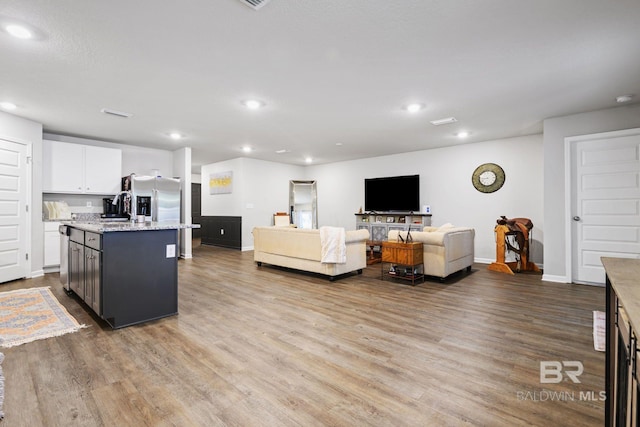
(116, 113)
(255, 4)
(445, 121)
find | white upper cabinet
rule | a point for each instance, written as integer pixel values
(103, 170)
(80, 169)
(62, 167)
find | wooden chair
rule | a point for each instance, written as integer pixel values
(281, 219)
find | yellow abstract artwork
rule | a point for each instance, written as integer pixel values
(221, 183)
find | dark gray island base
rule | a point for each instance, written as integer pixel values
(130, 272)
(139, 282)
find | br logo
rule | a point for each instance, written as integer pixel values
(551, 371)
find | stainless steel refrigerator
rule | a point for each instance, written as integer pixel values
(156, 198)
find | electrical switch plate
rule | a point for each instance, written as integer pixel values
(171, 251)
(222, 231)
(89, 204)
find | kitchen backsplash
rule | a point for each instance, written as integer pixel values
(84, 216)
(79, 205)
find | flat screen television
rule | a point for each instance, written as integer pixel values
(392, 194)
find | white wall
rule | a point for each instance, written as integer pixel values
(17, 129)
(555, 217)
(182, 168)
(445, 185)
(260, 189)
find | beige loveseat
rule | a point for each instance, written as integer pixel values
(301, 249)
(447, 249)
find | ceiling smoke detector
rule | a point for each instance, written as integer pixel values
(255, 4)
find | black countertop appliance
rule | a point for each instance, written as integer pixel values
(113, 211)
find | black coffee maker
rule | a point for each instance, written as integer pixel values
(113, 211)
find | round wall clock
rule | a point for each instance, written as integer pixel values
(488, 178)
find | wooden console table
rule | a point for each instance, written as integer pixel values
(380, 223)
(406, 260)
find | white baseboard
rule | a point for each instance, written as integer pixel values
(36, 273)
(247, 248)
(553, 278)
(489, 261)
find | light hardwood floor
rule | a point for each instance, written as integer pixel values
(271, 347)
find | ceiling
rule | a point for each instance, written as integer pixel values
(334, 74)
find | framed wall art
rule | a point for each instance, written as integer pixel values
(221, 183)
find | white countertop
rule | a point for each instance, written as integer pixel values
(107, 226)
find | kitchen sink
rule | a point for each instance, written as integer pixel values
(110, 220)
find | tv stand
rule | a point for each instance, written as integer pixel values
(379, 223)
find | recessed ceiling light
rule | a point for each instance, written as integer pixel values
(247, 149)
(624, 98)
(282, 151)
(308, 160)
(176, 135)
(444, 121)
(462, 134)
(8, 106)
(414, 108)
(339, 144)
(18, 31)
(253, 104)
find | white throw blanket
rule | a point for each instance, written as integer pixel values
(332, 242)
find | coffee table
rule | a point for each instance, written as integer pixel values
(406, 259)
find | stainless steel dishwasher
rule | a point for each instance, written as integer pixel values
(64, 256)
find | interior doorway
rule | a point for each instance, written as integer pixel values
(15, 218)
(604, 202)
(196, 213)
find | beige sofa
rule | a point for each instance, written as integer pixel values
(301, 249)
(447, 249)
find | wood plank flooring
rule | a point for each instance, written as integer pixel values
(272, 347)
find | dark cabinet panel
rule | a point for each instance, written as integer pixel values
(222, 231)
(196, 214)
(77, 266)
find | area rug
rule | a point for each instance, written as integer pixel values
(599, 330)
(1, 386)
(32, 314)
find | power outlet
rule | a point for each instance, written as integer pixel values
(171, 251)
(89, 204)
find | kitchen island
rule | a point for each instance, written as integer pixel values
(126, 272)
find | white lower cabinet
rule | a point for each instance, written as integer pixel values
(51, 244)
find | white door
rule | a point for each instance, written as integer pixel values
(13, 211)
(605, 201)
